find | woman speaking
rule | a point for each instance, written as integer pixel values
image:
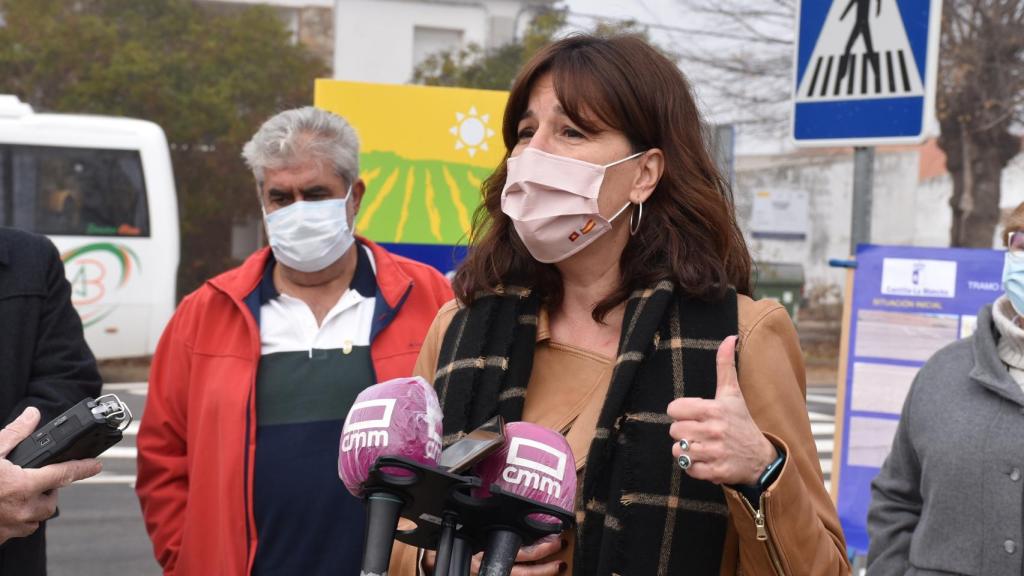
(604, 291)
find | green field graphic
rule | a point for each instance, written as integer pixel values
(417, 201)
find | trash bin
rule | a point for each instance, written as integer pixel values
(779, 281)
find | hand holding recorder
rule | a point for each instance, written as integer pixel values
(29, 496)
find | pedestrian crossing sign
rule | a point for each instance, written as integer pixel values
(865, 71)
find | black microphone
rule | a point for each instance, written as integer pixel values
(535, 463)
(402, 418)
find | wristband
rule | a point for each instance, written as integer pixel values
(753, 492)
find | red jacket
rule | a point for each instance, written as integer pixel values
(197, 440)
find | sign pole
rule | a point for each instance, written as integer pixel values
(864, 78)
(863, 184)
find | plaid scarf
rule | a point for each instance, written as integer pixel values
(638, 513)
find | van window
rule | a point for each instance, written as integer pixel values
(76, 191)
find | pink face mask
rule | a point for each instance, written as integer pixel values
(552, 201)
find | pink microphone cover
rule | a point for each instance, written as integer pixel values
(535, 463)
(400, 417)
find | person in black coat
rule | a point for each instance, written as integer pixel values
(46, 364)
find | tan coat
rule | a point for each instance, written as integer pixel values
(804, 536)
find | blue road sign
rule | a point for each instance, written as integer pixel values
(865, 71)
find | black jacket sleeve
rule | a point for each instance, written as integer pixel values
(55, 368)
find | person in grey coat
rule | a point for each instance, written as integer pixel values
(950, 497)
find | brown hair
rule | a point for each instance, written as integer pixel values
(1014, 222)
(688, 233)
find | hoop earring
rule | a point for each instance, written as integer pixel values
(634, 229)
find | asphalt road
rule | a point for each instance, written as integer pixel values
(99, 531)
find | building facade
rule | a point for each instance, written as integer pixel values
(384, 40)
(910, 204)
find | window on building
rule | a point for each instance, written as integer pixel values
(74, 191)
(427, 41)
(503, 31)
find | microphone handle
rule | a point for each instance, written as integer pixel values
(500, 555)
(443, 560)
(462, 558)
(382, 513)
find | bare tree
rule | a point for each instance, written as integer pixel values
(745, 69)
(980, 100)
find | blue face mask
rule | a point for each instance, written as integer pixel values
(1013, 280)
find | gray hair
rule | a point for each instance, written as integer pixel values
(301, 134)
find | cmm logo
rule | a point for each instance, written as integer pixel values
(535, 465)
(94, 271)
(366, 425)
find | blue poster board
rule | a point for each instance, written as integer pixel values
(865, 71)
(444, 257)
(907, 303)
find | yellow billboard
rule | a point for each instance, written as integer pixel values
(424, 152)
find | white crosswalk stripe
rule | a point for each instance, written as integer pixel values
(106, 478)
(876, 74)
(120, 452)
(125, 386)
(823, 429)
(132, 429)
(822, 398)
(821, 412)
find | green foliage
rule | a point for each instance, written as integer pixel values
(209, 78)
(471, 67)
(496, 68)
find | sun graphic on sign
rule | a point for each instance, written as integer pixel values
(471, 131)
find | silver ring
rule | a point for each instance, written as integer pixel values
(685, 462)
(684, 445)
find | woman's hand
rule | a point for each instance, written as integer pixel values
(529, 562)
(725, 446)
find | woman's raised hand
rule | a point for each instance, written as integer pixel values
(722, 442)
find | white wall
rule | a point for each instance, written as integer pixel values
(905, 211)
(374, 39)
(828, 179)
(283, 3)
(933, 218)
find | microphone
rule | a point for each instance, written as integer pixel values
(535, 463)
(402, 418)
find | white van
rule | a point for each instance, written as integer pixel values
(102, 189)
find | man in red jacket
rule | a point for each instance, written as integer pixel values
(258, 368)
